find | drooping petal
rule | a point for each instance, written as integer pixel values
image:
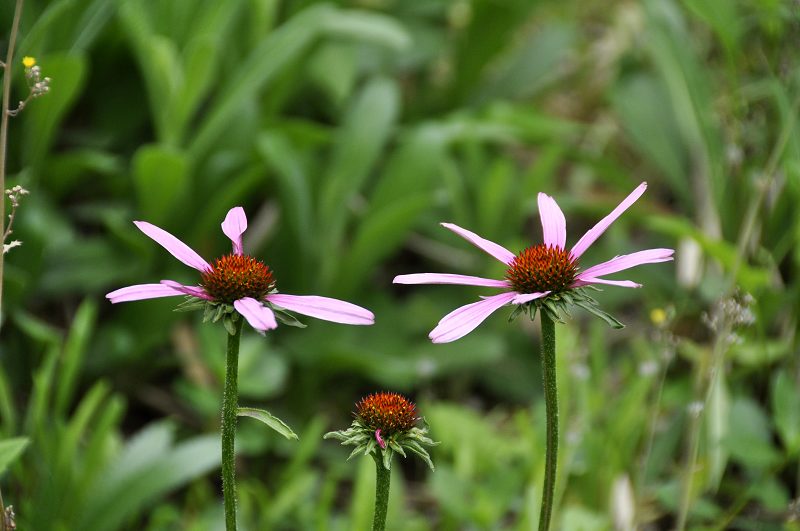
(626, 261)
(194, 291)
(595, 232)
(494, 249)
(522, 298)
(323, 308)
(173, 245)
(234, 226)
(620, 283)
(140, 292)
(554, 225)
(465, 319)
(448, 278)
(259, 316)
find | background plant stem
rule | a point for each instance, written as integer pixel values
(230, 404)
(551, 407)
(7, 69)
(382, 480)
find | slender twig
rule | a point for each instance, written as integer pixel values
(230, 404)
(7, 69)
(382, 479)
(551, 408)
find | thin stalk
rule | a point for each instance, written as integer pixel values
(7, 69)
(551, 408)
(230, 404)
(382, 480)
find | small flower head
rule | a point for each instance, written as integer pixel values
(28, 61)
(387, 412)
(385, 423)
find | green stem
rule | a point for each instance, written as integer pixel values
(6, 101)
(230, 404)
(551, 407)
(382, 479)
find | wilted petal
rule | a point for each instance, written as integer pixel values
(194, 291)
(626, 261)
(174, 246)
(620, 283)
(234, 226)
(140, 292)
(496, 250)
(465, 319)
(554, 225)
(522, 298)
(595, 232)
(259, 316)
(448, 278)
(323, 308)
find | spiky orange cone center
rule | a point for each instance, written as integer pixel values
(542, 268)
(388, 412)
(233, 277)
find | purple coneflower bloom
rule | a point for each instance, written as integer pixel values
(239, 280)
(536, 272)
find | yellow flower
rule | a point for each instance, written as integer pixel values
(28, 61)
(658, 316)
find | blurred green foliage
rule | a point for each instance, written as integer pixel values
(347, 131)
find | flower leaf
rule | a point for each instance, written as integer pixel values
(608, 318)
(267, 418)
(387, 458)
(287, 318)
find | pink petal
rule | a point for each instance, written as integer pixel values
(259, 316)
(234, 226)
(194, 291)
(498, 251)
(447, 278)
(323, 308)
(626, 261)
(465, 319)
(522, 298)
(620, 283)
(140, 292)
(595, 232)
(554, 226)
(380, 439)
(176, 248)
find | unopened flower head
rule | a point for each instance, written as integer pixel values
(385, 423)
(545, 276)
(236, 284)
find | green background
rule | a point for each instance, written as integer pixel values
(348, 131)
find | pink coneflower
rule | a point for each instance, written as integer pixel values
(239, 280)
(542, 272)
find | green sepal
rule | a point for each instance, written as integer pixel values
(286, 318)
(387, 457)
(608, 318)
(518, 309)
(269, 419)
(229, 323)
(191, 304)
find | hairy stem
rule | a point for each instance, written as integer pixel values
(7, 69)
(551, 408)
(230, 404)
(382, 480)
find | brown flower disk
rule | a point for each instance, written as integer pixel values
(233, 277)
(542, 268)
(388, 412)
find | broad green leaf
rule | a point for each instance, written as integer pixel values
(74, 353)
(160, 174)
(785, 402)
(10, 450)
(269, 419)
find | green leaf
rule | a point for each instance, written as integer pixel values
(287, 318)
(786, 410)
(269, 419)
(608, 318)
(10, 449)
(160, 174)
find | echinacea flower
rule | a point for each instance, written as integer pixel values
(385, 423)
(237, 282)
(545, 276)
